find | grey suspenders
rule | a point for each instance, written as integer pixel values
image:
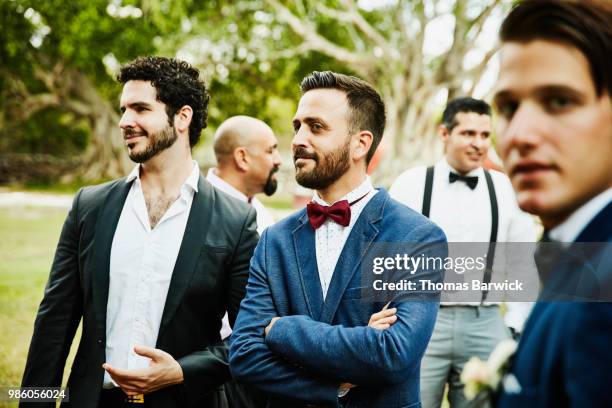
(494, 218)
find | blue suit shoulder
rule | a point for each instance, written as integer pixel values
(416, 226)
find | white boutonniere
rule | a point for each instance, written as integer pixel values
(483, 379)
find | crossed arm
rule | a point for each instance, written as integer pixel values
(306, 359)
(359, 355)
(251, 360)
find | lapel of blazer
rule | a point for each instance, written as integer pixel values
(106, 224)
(359, 240)
(193, 241)
(308, 271)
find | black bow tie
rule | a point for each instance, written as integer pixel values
(472, 182)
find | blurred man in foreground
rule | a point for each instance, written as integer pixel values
(555, 127)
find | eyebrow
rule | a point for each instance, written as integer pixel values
(136, 105)
(540, 91)
(310, 120)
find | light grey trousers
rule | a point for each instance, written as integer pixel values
(460, 332)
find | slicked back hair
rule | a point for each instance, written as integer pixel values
(177, 84)
(366, 107)
(466, 105)
(583, 24)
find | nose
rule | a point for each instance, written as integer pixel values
(522, 131)
(300, 139)
(480, 142)
(127, 120)
(277, 159)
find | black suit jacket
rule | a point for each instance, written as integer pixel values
(209, 278)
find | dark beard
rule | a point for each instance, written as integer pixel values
(326, 171)
(271, 184)
(159, 142)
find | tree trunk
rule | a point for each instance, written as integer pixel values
(105, 156)
(69, 90)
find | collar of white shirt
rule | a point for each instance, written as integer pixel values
(191, 181)
(364, 188)
(226, 187)
(569, 229)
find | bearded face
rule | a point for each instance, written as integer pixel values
(328, 167)
(156, 142)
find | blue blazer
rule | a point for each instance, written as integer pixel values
(564, 358)
(318, 344)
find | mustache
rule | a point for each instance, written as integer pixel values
(302, 153)
(130, 132)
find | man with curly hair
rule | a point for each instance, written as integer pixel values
(140, 263)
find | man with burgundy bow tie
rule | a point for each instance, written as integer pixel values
(470, 204)
(303, 334)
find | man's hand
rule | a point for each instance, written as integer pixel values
(383, 319)
(344, 387)
(269, 326)
(163, 371)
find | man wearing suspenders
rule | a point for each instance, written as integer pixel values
(470, 204)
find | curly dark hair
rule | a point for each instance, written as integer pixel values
(177, 84)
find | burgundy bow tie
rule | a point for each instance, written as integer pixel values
(339, 212)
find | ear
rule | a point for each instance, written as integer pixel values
(444, 133)
(182, 119)
(363, 141)
(241, 159)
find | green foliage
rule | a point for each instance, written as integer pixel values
(252, 60)
(49, 131)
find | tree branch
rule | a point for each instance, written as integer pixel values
(353, 16)
(312, 40)
(481, 18)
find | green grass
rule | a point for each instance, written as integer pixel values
(56, 188)
(28, 237)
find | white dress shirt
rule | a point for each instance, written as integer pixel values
(465, 214)
(264, 217)
(331, 237)
(569, 229)
(141, 264)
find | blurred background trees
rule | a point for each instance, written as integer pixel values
(59, 99)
